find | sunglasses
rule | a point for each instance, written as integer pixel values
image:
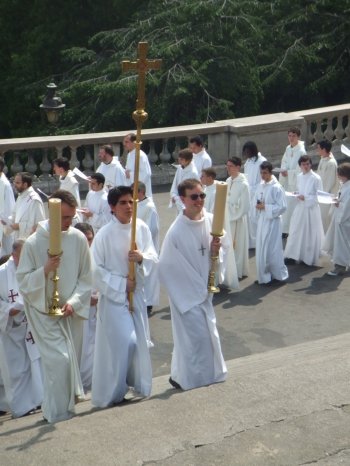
(194, 197)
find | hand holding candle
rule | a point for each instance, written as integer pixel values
(55, 246)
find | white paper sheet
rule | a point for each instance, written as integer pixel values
(42, 192)
(325, 198)
(79, 173)
(289, 194)
(345, 150)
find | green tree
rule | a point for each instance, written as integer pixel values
(221, 59)
(32, 35)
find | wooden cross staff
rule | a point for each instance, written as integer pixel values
(141, 66)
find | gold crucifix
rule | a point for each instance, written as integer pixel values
(141, 65)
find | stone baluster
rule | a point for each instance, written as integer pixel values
(45, 166)
(16, 165)
(31, 165)
(309, 139)
(96, 160)
(74, 162)
(339, 130)
(318, 134)
(177, 149)
(165, 155)
(88, 162)
(116, 149)
(59, 151)
(6, 167)
(329, 133)
(152, 155)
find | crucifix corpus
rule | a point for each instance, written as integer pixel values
(141, 66)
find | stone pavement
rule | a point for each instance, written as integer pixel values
(286, 400)
(289, 406)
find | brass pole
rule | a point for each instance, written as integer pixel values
(142, 65)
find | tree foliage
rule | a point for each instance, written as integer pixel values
(221, 59)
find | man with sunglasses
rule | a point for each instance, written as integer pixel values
(122, 358)
(184, 268)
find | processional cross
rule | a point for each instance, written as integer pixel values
(141, 65)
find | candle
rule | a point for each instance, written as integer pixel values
(55, 227)
(219, 209)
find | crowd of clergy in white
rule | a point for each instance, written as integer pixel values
(101, 343)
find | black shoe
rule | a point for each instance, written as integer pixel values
(174, 384)
(32, 411)
(289, 261)
(149, 310)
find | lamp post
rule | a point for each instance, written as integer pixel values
(52, 105)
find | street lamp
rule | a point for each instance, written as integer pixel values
(52, 105)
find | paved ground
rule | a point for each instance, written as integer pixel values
(286, 400)
(285, 407)
(310, 306)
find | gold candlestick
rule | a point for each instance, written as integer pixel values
(55, 309)
(55, 249)
(212, 288)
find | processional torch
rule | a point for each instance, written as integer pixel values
(55, 249)
(217, 231)
(141, 66)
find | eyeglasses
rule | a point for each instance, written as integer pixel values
(194, 197)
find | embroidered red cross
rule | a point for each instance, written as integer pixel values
(12, 296)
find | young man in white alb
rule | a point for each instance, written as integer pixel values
(306, 230)
(327, 169)
(201, 158)
(289, 172)
(96, 211)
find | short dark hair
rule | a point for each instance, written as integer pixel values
(344, 170)
(98, 177)
(197, 140)
(108, 149)
(185, 154)
(210, 171)
(84, 228)
(141, 187)
(4, 258)
(237, 161)
(65, 196)
(2, 164)
(266, 166)
(295, 130)
(191, 183)
(304, 158)
(250, 149)
(115, 194)
(325, 144)
(26, 177)
(62, 162)
(131, 136)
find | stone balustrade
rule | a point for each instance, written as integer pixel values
(223, 139)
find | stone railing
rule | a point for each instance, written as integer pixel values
(223, 139)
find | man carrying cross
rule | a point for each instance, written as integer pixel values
(19, 356)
